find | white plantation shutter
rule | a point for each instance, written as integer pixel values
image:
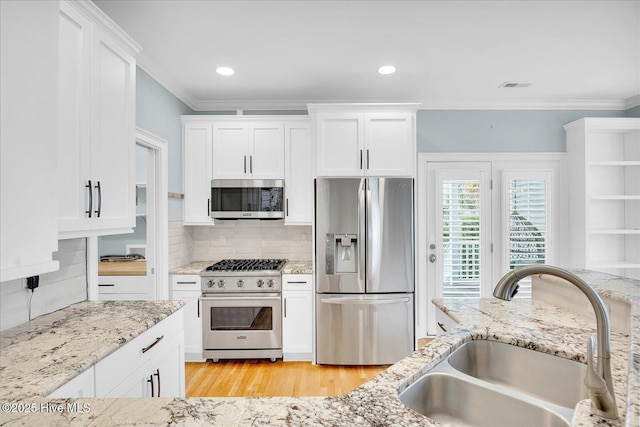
(527, 219)
(461, 249)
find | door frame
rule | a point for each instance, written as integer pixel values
(425, 311)
(160, 148)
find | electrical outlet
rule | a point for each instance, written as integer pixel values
(222, 240)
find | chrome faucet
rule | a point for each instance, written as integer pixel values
(598, 381)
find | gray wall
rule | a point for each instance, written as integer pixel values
(158, 111)
(473, 131)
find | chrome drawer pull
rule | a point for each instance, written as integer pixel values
(144, 350)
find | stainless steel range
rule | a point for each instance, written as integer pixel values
(242, 305)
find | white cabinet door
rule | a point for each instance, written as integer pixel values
(28, 84)
(297, 317)
(187, 288)
(231, 150)
(340, 144)
(266, 150)
(298, 177)
(74, 118)
(167, 379)
(112, 133)
(390, 148)
(95, 161)
(198, 172)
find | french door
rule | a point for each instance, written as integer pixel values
(477, 220)
(458, 229)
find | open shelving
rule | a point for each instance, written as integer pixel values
(604, 194)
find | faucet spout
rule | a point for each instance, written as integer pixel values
(598, 381)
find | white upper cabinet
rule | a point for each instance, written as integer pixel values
(197, 172)
(96, 150)
(28, 84)
(298, 174)
(365, 139)
(247, 148)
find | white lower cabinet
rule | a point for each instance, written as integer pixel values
(297, 317)
(187, 288)
(445, 323)
(151, 365)
(82, 386)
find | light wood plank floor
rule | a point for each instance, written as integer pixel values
(260, 377)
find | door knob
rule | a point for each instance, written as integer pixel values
(432, 258)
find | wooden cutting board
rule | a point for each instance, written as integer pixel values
(122, 268)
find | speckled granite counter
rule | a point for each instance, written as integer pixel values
(524, 323)
(38, 357)
(298, 267)
(192, 268)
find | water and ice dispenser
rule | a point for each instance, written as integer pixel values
(342, 253)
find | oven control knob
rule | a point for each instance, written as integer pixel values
(241, 283)
(210, 284)
(260, 283)
(221, 283)
(270, 283)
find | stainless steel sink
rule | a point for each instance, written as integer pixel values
(450, 400)
(542, 375)
(488, 383)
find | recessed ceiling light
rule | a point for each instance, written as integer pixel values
(387, 69)
(225, 71)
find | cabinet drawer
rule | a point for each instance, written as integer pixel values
(115, 368)
(297, 282)
(185, 282)
(123, 284)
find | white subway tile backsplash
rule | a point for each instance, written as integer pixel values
(56, 290)
(238, 239)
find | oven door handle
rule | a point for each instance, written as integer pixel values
(269, 296)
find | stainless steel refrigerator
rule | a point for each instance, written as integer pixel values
(364, 270)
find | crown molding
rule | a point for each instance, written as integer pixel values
(571, 104)
(96, 15)
(632, 102)
(166, 80)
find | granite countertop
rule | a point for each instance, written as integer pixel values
(525, 323)
(38, 357)
(291, 267)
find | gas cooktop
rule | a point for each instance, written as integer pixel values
(227, 265)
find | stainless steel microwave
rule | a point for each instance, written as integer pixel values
(247, 198)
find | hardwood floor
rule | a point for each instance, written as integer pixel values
(259, 377)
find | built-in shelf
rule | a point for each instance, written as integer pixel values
(603, 160)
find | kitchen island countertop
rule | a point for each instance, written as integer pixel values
(525, 323)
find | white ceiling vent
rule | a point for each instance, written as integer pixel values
(514, 84)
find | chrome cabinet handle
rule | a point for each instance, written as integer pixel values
(360, 159)
(367, 158)
(90, 187)
(144, 350)
(208, 207)
(245, 164)
(287, 207)
(441, 326)
(250, 164)
(285, 307)
(99, 188)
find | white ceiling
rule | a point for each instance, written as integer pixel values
(449, 54)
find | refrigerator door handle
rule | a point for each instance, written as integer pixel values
(359, 301)
(362, 229)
